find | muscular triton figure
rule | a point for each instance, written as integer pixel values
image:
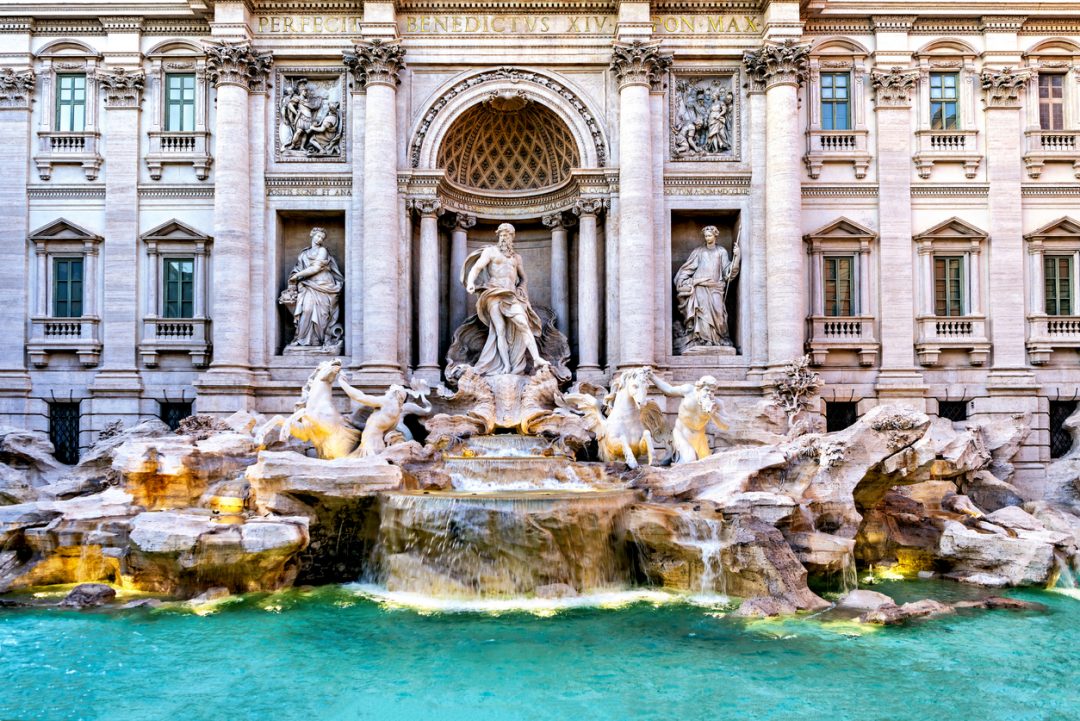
(497, 273)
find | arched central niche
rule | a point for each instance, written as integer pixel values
(508, 143)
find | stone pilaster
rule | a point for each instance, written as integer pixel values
(116, 388)
(16, 94)
(235, 69)
(588, 290)
(754, 250)
(376, 64)
(781, 68)
(429, 210)
(560, 270)
(636, 66)
(459, 250)
(899, 377)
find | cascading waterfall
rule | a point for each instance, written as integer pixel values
(1066, 578)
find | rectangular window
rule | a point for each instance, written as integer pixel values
(1052, 102)
(1060, 438)
(71, 102)
(172, 412)
(840, 415)
(1058, 270)
(955, 411)
(64, 431)
(179, 291)
(948, 285)
(944, 101)
(180, 102)
(835, 101)
(839, 285)
(67, 287)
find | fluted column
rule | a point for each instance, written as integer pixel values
(233, 69)
(560, 269)
(429, 210)
(782, 67)
(377, 63)
(588, 285)
(459, 250)
(636, 67)
(16, 93)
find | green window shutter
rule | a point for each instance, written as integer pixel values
(1058, 271)
(839, 285)
(948, 286)
(67, 287)
(179, 288)
(180, 102)
(71, 102)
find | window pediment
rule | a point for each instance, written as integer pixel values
(841, 229)
(1064, 228)
(174, 231)
(63, 230)
(952, 229)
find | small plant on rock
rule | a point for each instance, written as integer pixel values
(795, 390)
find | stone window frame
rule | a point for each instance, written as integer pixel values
(1049, 332)
(63, 239)
(961, 145)
(837, 54)
(856, 332)
(317, 72)
(1059, 56)
(967, 332)
(175, 239)
(64, 57)
(178, 147)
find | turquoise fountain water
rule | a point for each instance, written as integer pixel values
(333, 655)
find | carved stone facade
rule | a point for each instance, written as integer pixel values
(902, 187)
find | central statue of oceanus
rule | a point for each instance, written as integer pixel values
(507, 335)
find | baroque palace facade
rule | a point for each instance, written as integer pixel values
(901, 179)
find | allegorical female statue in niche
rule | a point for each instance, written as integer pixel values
(313, 295)
(701, 287)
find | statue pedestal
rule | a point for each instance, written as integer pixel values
(709, 350)
(316, 353)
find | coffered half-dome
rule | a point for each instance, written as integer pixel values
(508, 143)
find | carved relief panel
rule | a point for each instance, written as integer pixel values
(310, 115)
(704, 114)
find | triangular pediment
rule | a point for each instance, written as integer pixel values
(953, 228)
(841, 228)
(174, 230)
(63, 229)
(1064, 227)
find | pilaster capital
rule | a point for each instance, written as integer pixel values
(590, 206)
(16, 88)
(427, 207)
(892, 88)
(237, 64)
(376, 62)
(122, 89)
(464, 221)
(1002, 87)
(638, 63)
(557, 221)
(777, 63)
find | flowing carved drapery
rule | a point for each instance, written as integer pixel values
(16, 88)
(237, 64)
(121, 88)
(376, 62)
(638, 63)
(777, 63)
(893, 87)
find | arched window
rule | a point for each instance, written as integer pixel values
(67, 125)
(1053, 106)
(837, 107)
(178, 101)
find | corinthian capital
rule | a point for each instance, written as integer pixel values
(16, 88)
(376, 62)
(237, 64)
(893, 88)
(638, 63)
(777, 63)
(121, 88)
(1002, 87)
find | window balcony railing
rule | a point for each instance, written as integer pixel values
(63, 148)
(1049, 332)
(842, 333)
(947, 146)
(179, 148)
(64, 335)
(836, 146)
(1043, 146)
(175, 335)
(965, 332)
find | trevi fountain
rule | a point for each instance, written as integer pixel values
(582, 533)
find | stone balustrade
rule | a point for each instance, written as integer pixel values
(939, 333)
(69, 335)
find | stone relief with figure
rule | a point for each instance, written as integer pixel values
(703, 122)
(310, 118)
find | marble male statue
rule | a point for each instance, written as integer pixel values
(701, 287)
(388, 415)
(497, 273)
(314, 292)
(696, 409)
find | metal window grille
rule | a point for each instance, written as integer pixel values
(64, 431)
(955, 411)
(172, 412)
(1060, 439)
(840, 415)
